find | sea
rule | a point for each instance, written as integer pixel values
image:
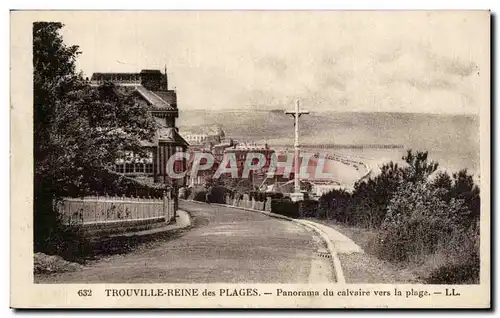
(450, 140)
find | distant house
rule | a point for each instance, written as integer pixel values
(196, 139)
(150, 87)
(241, 152)
(210, 136)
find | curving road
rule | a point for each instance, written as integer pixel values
(225, 245)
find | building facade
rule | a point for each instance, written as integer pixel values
(150, 87)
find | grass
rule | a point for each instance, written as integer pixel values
(445, 266)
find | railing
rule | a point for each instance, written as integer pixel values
(106, 209)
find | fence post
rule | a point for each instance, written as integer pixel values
(175, 196)
(267, 205)
(148, 207)
(165, 208)
(96, 205)
(123, 207)
(105, 209)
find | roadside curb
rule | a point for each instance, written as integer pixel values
(339, 273)
(337, 267)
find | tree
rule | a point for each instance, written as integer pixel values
(419, 168)
(465, 189)
(442, 183)
(79, 130)
(460, 186)
(371, 196)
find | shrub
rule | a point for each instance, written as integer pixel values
(456, 260)
(417, 219)
(335, 205)
(285, 207)
(217, 194)
(308, 208)
(274, 195)
(199, 196)
(67, 241)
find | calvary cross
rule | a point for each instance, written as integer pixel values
(297, 196)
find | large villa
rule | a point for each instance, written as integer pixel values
(150, 87)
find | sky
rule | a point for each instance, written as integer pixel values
(331, 61)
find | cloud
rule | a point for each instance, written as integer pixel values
(388, 57)
(277, 65)
(395, 77)
(451, 65)
(349, 61)
(424, 83)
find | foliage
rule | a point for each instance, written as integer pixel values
(419, 168)
(308, 208)
(200, 196)
(422, 216)
(79, 130)
(285, 207)
(417, 219)
(367, 205)
(217, 194)
(456, 260)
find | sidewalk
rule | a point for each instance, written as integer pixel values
(341, 243)
(336, 243)
(356, 265)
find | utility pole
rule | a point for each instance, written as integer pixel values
(297, 195)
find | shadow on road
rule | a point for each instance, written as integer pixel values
(91, 250)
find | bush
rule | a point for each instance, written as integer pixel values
(285, 207)
(422, 228)
(456, 260)
(274, 195)
(67, 241)
(199, 196)
(421, 217)
(335, 205)
(308, 208)
(217, 194)
(417, 219)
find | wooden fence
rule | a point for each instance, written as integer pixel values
(105, 209)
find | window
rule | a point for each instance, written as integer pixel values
(149, 168)
(119, 168)
(129, 168)
(139, 167)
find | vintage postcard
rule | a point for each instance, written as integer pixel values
(250, 159)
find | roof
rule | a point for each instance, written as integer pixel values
(114, 73)
(170, 134)
(169, 97)
(151, 72)
(154, 99)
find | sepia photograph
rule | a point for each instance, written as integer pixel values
(286, 158)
